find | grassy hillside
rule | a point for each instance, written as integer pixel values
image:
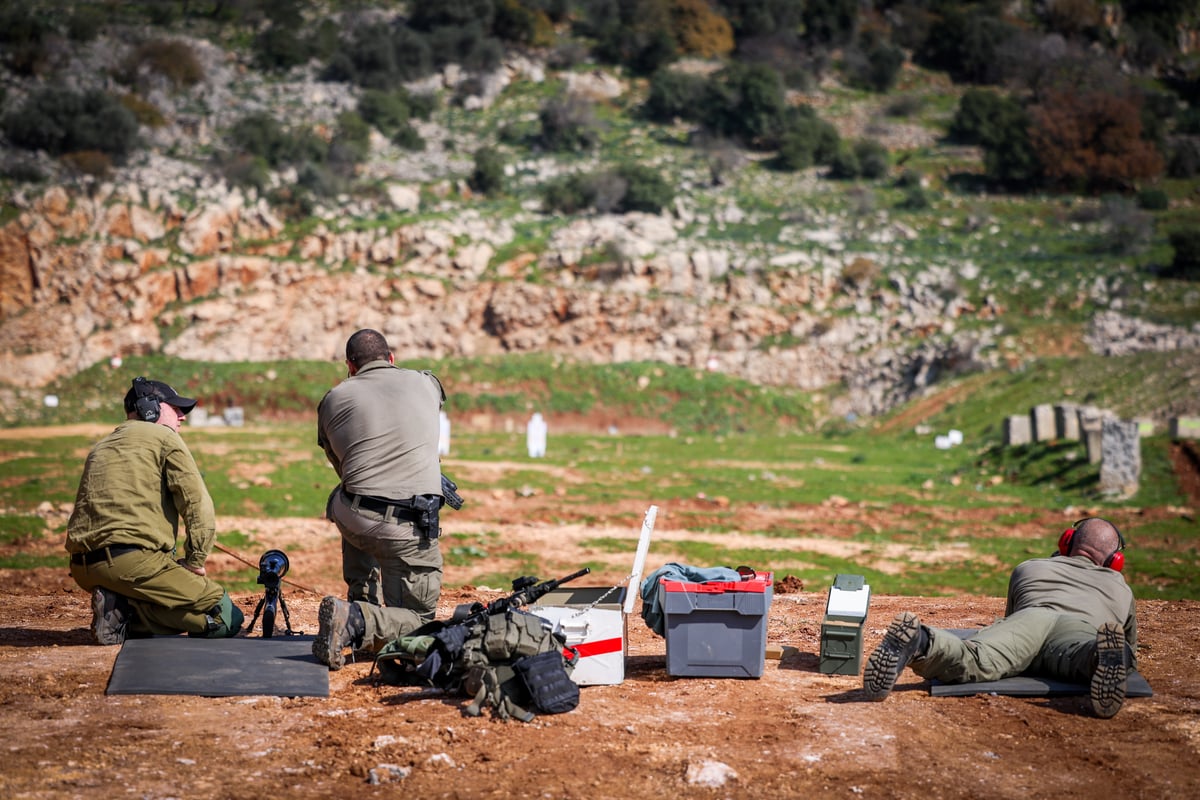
(759, 448)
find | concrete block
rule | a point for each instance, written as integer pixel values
(1185, 427)
(1042, 418)
(1066, 421)
(1017, 430)
(1121, 459)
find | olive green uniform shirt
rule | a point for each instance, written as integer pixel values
(137, 483)
(1077, 586)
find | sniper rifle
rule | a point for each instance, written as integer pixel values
(428, 655)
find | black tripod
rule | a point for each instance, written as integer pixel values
(271, 569)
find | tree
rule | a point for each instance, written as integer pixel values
(1092, 140)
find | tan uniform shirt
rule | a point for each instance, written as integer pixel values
(137, 482)
(379, 430)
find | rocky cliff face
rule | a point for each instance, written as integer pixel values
(87, 277)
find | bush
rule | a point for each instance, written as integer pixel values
(280, 47)
(351, 143)
(966, 43)
(1184, 157)
(245, 170)
(24, 31)
(877, 69)
(673, 94)
(488, 175)
(60, 121)
(1092, 140)
(386, 110)
(844, 164)
(745, 102)
(645, 189)
(569, 194)
(699, 30)
(872, 158)
(981, 117)
(409, 138)
(260, 135)
(172, 58)
(145, 112)
(569, 124)
(1185, 241)
(807, 140)
(1153, 200)
(89, 162)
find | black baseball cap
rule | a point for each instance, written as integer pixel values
(157, 389)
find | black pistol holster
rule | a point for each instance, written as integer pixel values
(426, 507)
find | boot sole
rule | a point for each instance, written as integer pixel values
(884, 667)
(106, 632)
(1107, 689)
(331, 624)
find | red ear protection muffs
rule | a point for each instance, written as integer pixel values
(1116, 561)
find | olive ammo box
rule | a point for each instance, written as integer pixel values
(717, 629)
(842, 628)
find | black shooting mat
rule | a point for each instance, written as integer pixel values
(280, 666)
(1029, 686)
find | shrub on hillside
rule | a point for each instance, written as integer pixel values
(1125, 229)
(60, 121)
(699, 30)
(982, 116)
(281, 47)
(173, 59)
(645, 189)
(865, 158)
(875, 68)
(24, 32)
(672, 95)
(262, 136)
(745, 102)
(569, 123)
(487, 176)
(379, 56)
(634, 33)
(1153, 200)
(807, 140)
(1184, 157)
(1091, 140)
(966, 43)
(386, 110)
(830, 22)
(1185, 241)
(350, 144)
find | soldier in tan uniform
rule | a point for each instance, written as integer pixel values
(137, 483)
(379, 429)
(1070, 617)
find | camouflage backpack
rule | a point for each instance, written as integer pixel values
(512, 661)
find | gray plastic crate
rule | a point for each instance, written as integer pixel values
(717, 629)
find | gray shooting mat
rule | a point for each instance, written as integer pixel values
(280, 666)
(1029, 686)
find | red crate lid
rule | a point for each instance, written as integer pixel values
(757, 584)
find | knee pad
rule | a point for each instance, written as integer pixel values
(226, 618)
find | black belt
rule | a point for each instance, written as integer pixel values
(402, 510)
(104, 553)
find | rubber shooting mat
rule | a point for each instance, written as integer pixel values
(281, 666)
(1029, 686)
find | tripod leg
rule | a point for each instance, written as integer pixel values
(257, 611)
(287, 619)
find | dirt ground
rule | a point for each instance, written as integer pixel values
(794, 732)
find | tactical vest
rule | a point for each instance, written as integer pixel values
(512, 661)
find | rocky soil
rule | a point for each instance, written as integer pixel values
(793, 732)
